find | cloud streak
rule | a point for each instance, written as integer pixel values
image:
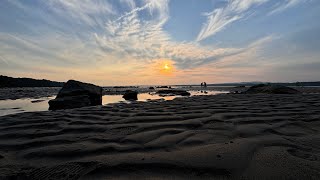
(235, 10)
(281, 6)
(93, 39)
(132, 37)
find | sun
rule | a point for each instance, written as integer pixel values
(163, 67)
(166, 67)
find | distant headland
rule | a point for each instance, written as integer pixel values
(6, 81)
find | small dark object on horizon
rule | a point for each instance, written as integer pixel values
(162, 87)
(241, 86)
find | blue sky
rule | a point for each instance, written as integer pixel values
(128, 42)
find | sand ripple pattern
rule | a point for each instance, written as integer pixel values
(223, 136)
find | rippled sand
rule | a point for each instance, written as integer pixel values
(202, 137)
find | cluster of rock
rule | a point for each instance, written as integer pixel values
(173, 92)
(271, 89)
(75, 94)
(164, 87)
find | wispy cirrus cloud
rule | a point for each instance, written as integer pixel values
(281, 6)
(235, 10)
(134, 35)
(86, 11)
(145, 39)
(219, 18)
(93, 39)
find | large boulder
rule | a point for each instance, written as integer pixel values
(271, 89)
(75, 94)
(130, 95)
(173, 92)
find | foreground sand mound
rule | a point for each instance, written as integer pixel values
(227, 136)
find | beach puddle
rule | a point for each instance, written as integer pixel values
(24, 105)
(30, 105)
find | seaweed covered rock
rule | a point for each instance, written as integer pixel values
(271, 89)
(75, 94)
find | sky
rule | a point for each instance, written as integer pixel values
(149, 42)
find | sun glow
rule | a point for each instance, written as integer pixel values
(166, 67)
(163, 67)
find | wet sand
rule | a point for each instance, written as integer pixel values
(227, 136)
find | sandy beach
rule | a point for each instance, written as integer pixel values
(159, 89)
(227, 136)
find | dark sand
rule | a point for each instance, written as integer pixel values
(228, 136)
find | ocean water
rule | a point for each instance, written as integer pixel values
(41, 104)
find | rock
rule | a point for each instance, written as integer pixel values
(151, 87)
(130, 95)
(75, 94)
(69, 102)
(271, 89)
(174, 92)
(162, 87)
(37, 101)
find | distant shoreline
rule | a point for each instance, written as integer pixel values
(10, 82)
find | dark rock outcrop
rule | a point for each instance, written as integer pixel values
(151, 88)
(75, 94)
(173, 92)
(130, 95)
(271, 89)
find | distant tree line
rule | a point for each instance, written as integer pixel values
(6, 81)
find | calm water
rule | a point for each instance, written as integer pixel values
(30, 105)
